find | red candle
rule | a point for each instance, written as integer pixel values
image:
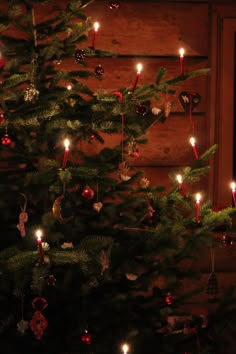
(180, 181)
(38, 234)
(233, 186)
(192, 142)
(95, 31)
(181, 60)
(139, 69)
(66, 153)
(198, 197)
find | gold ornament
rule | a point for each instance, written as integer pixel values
(168, 106)
(56, 209)
(97, 206)
(144, 182)
(131, 276)
(105, 259)
(123, 171)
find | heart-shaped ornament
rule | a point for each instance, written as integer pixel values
(189, 101)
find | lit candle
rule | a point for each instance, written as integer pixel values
(139, 69)
(95, 31)
(181, 60)
(192, 142)
(69, 87)
(180, 181)
(66, 152)
(38, 234)
(198, 198)
(125, 348)
(233, 186)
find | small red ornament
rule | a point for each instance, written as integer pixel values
(86, 337)
(51, 280)
(141, 110)
(38, 324)
(39, 303)
(227, 240)
(114, 4)
(99, 70)
(6, 140)
(169, 299)
(2, 119)
(92, 136)
(79, 55)
(88, 193)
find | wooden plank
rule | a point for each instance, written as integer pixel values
(151, 28)
(121, 72)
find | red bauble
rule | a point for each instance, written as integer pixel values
(99, 70)
(39, 303)
(227, 240)
(88, 193)
(169, 299)
(114, 4)
(141, 109)
(135, 153)
(6, 140)
(86, 337)
(79, 55)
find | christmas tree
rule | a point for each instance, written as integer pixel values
(93, 254)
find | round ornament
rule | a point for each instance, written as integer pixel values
(114, 4)
(79, 55)
(39, 303)
(141, 110)
(51, 280)
(22, 326)
(6, 140)
(99, 70)
(86, 337)
(62, 209)
(88, 193)
(169, 299)
(227, 240)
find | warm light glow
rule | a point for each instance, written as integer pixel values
(198, 197)
(181, 52)
(125, 348)
(96, 26)
(179, 179)
(139, 68)
(67, 144)
(69, 87)
(192, 141)
(233, 186)
(38, 234)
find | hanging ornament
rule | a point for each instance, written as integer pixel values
(105, 259)
(99, 70)
(156, 111)
(123, 171)
(131, 276)
(39, 303)
(38, 324)
(151, 211)
(144, 182)
(141, 110)
(114, 4)
(97, 206)
(169, 299)
(63, 209)
(57, 61)
(189, 101)
(6, 140)
(132, 148)
(212, 284)
(167, 109)
(227, 240)
(22, 326)
(79, 55)
(88, 193)
(86, 337)
(31, 94)
(45, 246)
(67, 245)
(51, 280)
(23, 217)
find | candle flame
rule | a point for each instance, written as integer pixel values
(38, 234)
(139, 68)
(179, 179)
(192, 141)
(66, 143)
(198, 197)
(125, 348)
(96, 26)
(69, 87)
(233, 186)
(181, 52)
